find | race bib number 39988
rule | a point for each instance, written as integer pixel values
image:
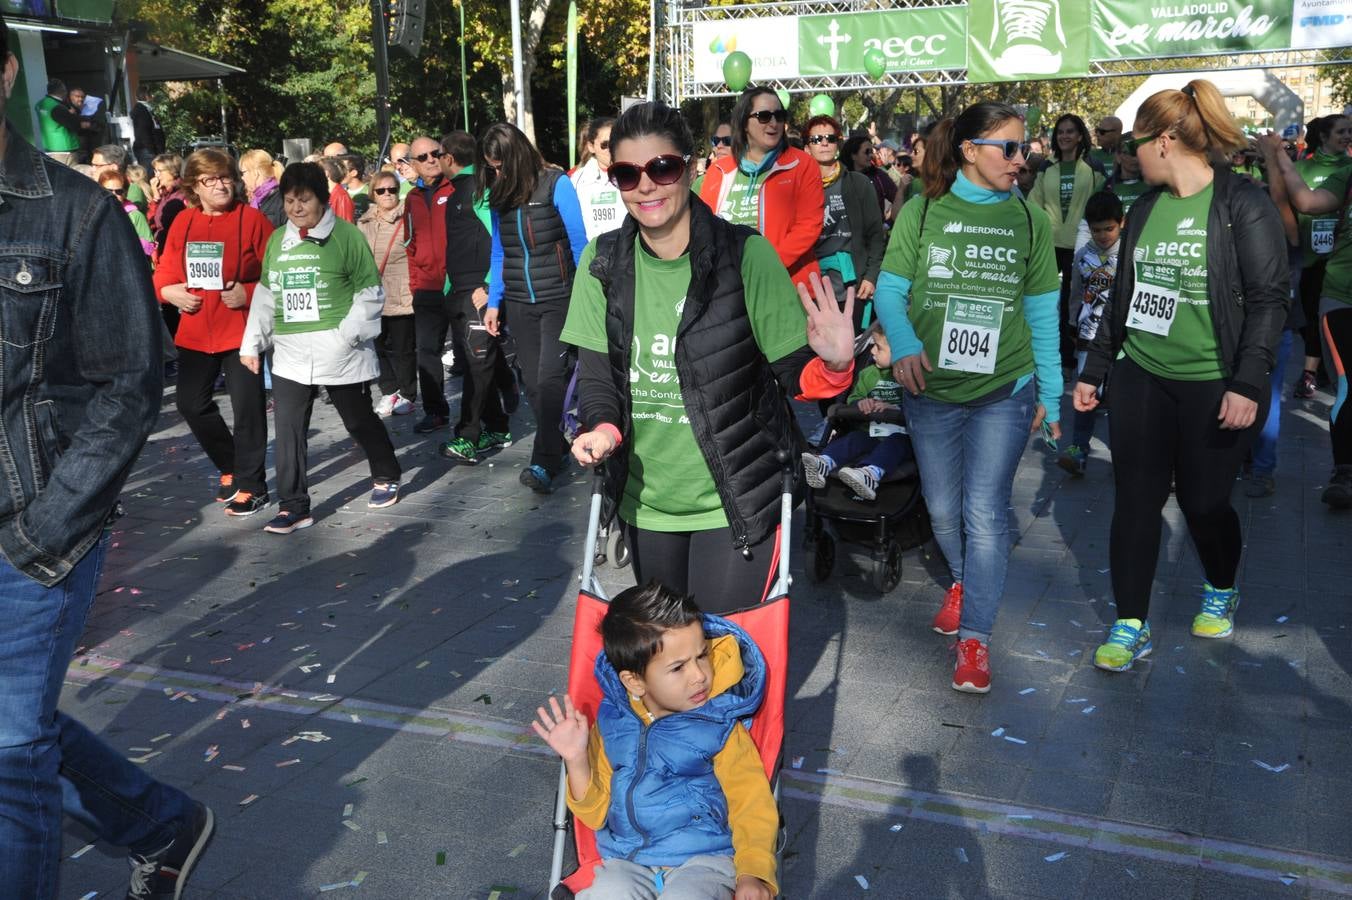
(206, 262)
(970, 340)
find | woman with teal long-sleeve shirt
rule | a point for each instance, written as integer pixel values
(968, 297)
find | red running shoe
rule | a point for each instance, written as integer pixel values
(946, 621)
(972, 672)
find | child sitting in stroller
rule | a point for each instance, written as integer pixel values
(668, 777)
(862, 457)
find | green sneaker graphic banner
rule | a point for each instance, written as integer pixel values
(1021, 40)
(1132, 29)
(911, 40)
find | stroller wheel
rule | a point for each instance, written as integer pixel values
(823, 557)
(887, 567)
(617, 549)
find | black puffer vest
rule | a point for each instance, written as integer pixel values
(739, 413)
(537, 262)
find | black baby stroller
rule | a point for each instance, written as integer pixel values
(889, 525)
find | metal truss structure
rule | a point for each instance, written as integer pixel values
(675, 64)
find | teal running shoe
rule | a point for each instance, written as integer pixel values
(1128, 641)
(1217, 618)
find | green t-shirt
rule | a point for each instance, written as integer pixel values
(1338, 271)
(742, 206)
(1129, 192)
(1316, 232)
(969, 273)
(1169, 328)
(313, 283)
(137, 196)
(670, 487)
(1105, 158)
(1067, 186)
(916, 188)
(876, 382)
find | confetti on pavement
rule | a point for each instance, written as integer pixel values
(516, 851)
(1026, 691)
(896, 827)
(1276, 770)
(347, 810)
(249, 799)
(962, 855)
(797, 762)
(863, 882)
(441, 857)
(351, 825)
(1088, 709)
(1056, 857)
(82, 851)
(1014, 740)
(382, 837)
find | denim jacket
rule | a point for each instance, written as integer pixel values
(80, 363)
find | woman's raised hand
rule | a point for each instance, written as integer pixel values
(830, 329)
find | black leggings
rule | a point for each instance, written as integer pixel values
(242, 453)
(1065, 261)
(295, 403)
(1311, 285)
(705, 565)
(1337, 327)
(1165, 431)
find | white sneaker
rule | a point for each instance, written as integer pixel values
(386, 405)
(861, 481)
(402, 405)
(815, 470)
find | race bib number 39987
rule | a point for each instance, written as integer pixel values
(206, 263)
(1155, 302)
(970, 340)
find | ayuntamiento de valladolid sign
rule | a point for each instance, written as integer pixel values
(1008, 40)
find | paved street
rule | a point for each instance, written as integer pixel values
(353, 700)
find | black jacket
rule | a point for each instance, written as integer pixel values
(469, 245)
(148, 136)
(736, 400)
(1248, 284)
(537, 258)
(272, 207)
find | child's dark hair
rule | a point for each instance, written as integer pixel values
(876, 329)
(1102, 207)
(656, 119)
(637, 619)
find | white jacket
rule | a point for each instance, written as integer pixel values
(344, 355)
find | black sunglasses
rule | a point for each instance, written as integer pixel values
(824, 139)
(120, 192)
(435, 154)
(665, 169)
(1106, 130)
(1010, 149)
(765, 115)
(717, 139)
(393, 190)
(1132, 146)
(604, 145)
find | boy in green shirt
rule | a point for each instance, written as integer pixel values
(868, 453)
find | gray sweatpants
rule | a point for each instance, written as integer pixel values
(698, 878)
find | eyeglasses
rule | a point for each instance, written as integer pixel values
(604, 145)
(765, 115)
(1106, 130)
(119, 192)
(394, 190)
(665, 169)
(824, 139)
(1131, 146)
(212, 181)
(725, 140)
(1009, 149)
(434, 154)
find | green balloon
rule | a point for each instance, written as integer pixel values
(875, 63)
(737, 70)
(822, 105)
(784, 98)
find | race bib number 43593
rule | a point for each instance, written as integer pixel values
(1155, 302)
(970, 340)
(206, 263)
(300, 297)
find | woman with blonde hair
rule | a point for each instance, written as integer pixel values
(261, 173)
(1191, 332)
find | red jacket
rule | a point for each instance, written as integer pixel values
(340, 201)
(425, 225)
(791, 206)
(215, 328)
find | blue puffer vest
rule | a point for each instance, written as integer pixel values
(666, 804)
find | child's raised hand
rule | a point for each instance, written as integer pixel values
(749, 887)
(565, 731)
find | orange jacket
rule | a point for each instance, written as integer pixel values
(791, 206)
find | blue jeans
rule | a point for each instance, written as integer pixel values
(857, 448)
(49, 761)
(1265, 448)
(1083, 427)
(967, 456)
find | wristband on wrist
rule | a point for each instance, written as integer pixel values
(607, 428)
